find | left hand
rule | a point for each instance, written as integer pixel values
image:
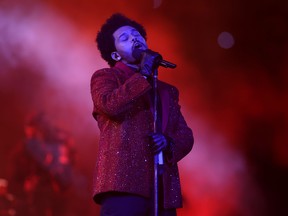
(148, 62)
(158, 142)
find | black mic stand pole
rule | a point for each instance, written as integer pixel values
(158, 158)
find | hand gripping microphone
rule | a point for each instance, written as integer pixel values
(137, 54)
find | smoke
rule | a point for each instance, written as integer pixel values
(216, 179)
(46, 62)
(36, 38)
(46, 40)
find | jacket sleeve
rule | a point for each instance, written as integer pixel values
(181, 138)
(112, 97)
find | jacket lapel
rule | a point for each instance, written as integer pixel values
(164, 95)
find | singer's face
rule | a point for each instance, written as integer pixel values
(127, 38)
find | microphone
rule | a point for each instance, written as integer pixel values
(137, 54)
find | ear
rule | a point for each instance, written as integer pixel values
(115, 56)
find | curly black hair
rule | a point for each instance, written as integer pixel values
(105, 39)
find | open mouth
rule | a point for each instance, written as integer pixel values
(138, 45)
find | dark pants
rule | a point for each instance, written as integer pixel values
(123, 204)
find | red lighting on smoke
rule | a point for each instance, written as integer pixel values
(236, 104)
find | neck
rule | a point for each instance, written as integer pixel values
(133, 66)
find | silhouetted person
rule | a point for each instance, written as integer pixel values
(42, 168)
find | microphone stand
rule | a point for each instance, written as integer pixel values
(158, 158)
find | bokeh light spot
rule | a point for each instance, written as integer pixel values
(157, 3)
(226, 40)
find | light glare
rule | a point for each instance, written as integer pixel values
(226, 40)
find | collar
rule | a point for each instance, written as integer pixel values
(123, 67)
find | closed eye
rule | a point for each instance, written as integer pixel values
(123, 37)
(135, 33)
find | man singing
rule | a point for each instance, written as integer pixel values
(123, 107)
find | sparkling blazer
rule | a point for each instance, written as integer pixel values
(122, 108)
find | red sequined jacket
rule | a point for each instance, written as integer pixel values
(124, 160)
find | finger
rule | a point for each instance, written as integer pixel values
(158, 139)
(157, 135)
(158, 148)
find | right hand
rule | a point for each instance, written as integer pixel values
(148, 62)
(158, 142)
